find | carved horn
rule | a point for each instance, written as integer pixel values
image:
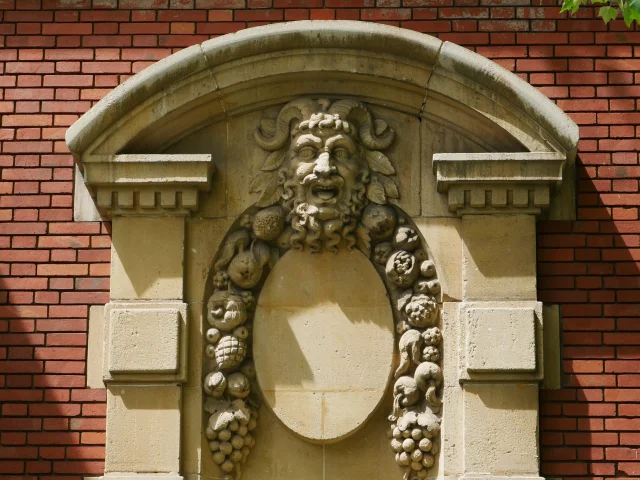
(296, 109)
(354, 110)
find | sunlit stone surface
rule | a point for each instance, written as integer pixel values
(323, 336)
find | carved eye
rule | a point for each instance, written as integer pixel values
(306, 152)
(340, 153)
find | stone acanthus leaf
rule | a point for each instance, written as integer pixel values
(311, 198)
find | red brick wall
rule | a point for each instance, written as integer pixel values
(60, 56)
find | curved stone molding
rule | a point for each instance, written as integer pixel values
(413, 72)
(324, 186)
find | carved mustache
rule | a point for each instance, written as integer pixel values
(333, 181)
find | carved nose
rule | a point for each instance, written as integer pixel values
(323, 165)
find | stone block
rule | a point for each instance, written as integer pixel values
(444, 243)
(552, 357)
(500, 429)
(147, 258)
(335, 343)
(278, 453)
(500, 339)
(145, 341)
(499, 257)
(84, 207)
(95, 346)
(143, 429)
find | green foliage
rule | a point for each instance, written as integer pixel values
(630, 9)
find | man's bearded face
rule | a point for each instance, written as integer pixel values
(327, 173)
(327, 166)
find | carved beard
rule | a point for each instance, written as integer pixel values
(309, 229)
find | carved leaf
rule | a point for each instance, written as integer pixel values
(268, 125)
(403, 299)
(363, 240)
(378, 162)
(390, 187)
(260, 182)
(262, 252)
(375, 192)
(274, 257)
(237, 241)
(274, 160)
(270, 196)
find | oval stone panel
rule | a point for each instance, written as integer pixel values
(323, 342)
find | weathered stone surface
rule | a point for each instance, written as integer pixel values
(496, 182)
(146, 184)
(144, 340)
(500, 429)
(500, 339)
(552, 339)
(147, 258)
(499, 257)
(84, 207)
(335, 343)
(444, 241)
(95, 346)
(143, 425)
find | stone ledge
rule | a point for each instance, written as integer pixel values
(498, 182)
(143, 184)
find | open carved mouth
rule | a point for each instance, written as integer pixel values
(325, 192)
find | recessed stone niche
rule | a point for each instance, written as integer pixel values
(322, 257)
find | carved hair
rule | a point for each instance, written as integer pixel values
(302, 109)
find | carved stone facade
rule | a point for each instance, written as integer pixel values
(324, 186)
(248, 179)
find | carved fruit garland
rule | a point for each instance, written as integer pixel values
(410, 277)
(267, 230)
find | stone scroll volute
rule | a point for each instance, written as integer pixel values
(325, 185)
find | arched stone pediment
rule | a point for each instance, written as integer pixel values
(203, 170)
(265, 66)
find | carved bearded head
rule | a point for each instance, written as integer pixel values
(321, 168)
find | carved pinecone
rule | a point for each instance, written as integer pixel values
(230, 352)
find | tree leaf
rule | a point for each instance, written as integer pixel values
(569, 6)
(260, 181)
(274, 160)
(608, 13)
(378, 162)
(375, 192)
(633, 11)
(390, 187)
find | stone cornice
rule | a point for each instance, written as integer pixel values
(498, 182)
(147, 184)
